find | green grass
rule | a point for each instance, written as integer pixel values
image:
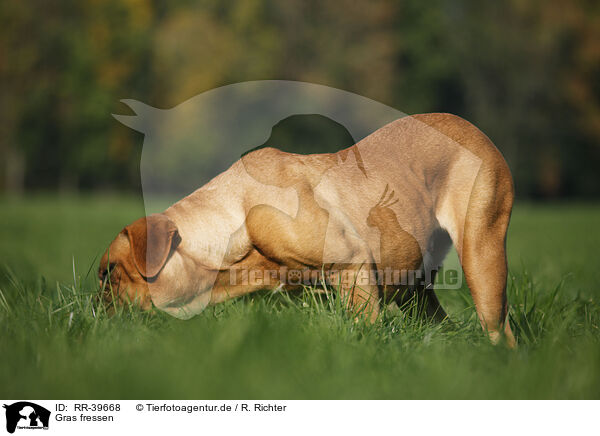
(56, 343)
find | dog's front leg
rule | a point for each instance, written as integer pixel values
(356, 286)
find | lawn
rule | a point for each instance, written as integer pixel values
(56, 343)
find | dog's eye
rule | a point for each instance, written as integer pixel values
(107, 271)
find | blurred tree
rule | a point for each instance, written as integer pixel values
(524, 71)
(199, 48)
(204, 46)
(61, 75)
(516, 65)
(16, 59)
(345, 44)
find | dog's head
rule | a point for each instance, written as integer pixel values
(134, 260)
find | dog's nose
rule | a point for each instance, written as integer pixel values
(105, 299)
(105, 293)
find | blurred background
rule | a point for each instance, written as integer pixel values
(524, 71)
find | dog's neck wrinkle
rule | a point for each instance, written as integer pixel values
(196, 261)
(207, 223)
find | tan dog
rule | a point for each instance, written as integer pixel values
(395, 201)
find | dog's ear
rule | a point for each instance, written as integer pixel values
(152, 238)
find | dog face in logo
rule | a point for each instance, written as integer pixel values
(26, 414)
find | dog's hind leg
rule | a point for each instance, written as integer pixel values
(484, 263)
(480, 240)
